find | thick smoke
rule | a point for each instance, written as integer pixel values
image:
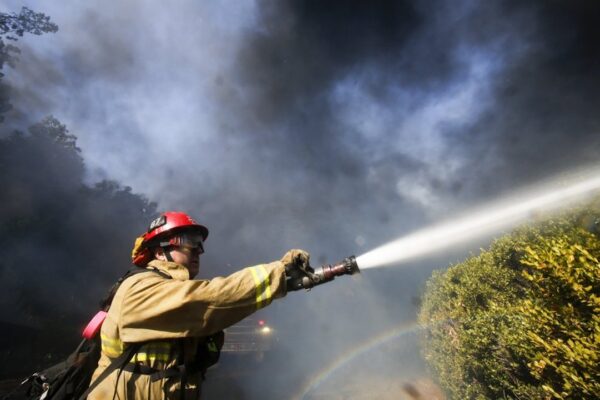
(330, 126)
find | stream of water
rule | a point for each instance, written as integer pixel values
(484, 221)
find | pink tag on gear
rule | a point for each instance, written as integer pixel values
(93, 327)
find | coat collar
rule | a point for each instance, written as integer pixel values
(176, 271)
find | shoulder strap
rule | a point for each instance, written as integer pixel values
(118, 362)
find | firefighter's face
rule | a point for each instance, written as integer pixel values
(189, 257)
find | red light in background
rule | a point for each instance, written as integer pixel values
(261, 322)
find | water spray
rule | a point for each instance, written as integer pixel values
(487, 220)
(429, 240)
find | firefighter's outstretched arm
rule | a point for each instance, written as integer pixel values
(152, 307)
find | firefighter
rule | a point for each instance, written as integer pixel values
(175, 322)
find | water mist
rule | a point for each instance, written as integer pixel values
(486, 220)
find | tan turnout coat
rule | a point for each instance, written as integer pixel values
(166, 314)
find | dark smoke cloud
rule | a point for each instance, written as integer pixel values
(333, 126)
(545, 119)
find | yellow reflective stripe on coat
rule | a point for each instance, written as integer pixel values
(160, 351)
(112, 347)
(151, 357)
(263, 286)
(149, 352)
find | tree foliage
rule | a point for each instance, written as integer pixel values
(13, 26)
(63, 244)
(522, 319)
(26, 21)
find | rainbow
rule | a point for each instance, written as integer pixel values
(323, 374)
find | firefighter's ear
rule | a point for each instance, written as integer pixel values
(159, 254)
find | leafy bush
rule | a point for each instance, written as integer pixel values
(522, 319)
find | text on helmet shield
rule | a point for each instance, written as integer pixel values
(160, 221)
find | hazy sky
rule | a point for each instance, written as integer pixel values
(332, 126)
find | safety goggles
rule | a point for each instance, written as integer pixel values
(187, 241)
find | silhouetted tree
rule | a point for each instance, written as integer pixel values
(13, 26)
(63, 243)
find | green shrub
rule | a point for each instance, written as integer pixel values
(522, 319)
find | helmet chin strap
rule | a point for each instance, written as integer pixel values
(167, 253)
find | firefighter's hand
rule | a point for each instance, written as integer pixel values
(297, 269)
(296, 259)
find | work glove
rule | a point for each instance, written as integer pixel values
(298, 271)
(295, 258)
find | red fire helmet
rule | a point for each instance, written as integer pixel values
(169, 223)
